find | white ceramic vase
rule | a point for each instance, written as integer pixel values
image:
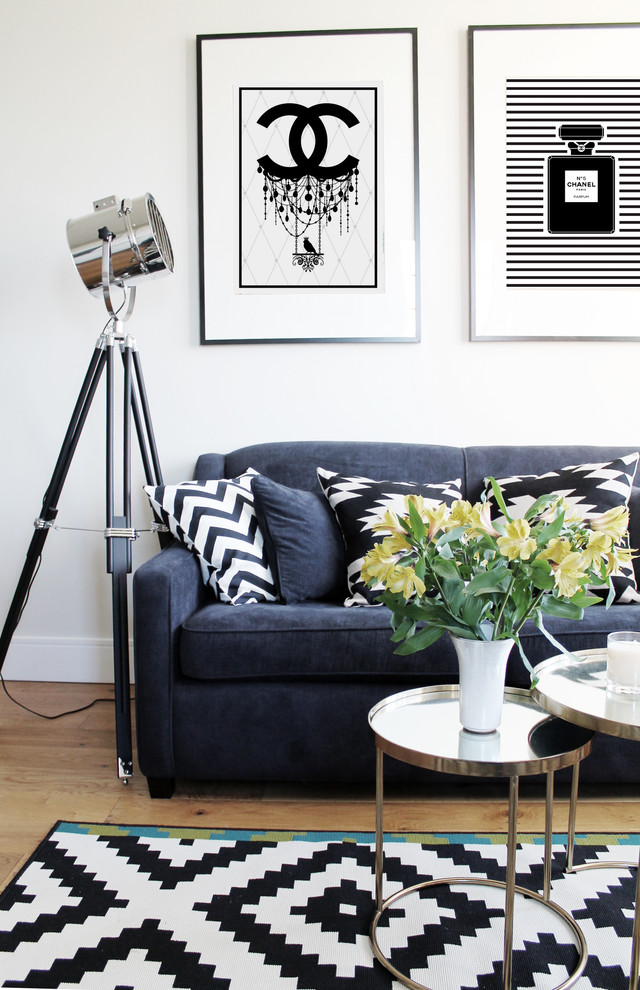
(482, 665)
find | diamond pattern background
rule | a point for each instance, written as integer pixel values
(350, 259)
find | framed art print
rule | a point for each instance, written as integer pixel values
(555, 182)
(308, 186)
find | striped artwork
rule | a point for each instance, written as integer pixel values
(536, 109)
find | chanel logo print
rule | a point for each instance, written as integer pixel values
(308, 164)
(309, 187)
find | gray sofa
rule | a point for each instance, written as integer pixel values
(281, 692)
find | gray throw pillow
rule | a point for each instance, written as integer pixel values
(303, 542)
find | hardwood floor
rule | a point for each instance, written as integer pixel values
(65, 769)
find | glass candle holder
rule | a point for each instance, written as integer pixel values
(623, 662)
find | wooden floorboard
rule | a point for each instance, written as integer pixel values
(66, 769)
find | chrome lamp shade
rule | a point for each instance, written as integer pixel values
(139, 243)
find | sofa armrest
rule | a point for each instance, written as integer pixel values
(166, 590)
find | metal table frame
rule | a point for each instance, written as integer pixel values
(592, 707)
(532, 763)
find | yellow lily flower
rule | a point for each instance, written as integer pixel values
(516, 544)
(556, 550)
(623, 555)
(396, 543)
(568, 574)
(388, 523)
(436, 518)
(481, 519)
(460, 515)
(614, 522)
(597, 548)
(378, 564)
(572, 514)
(405, 581)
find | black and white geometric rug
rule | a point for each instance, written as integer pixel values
(140, 908)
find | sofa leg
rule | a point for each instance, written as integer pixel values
(161, 787)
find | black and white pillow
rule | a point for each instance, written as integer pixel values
(592, 488)
(359, 503)
(217, 520)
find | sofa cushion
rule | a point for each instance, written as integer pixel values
(303, 542)
(324, 641)
(592, 487)
(359, 503)
(306, 641)
(217, 520)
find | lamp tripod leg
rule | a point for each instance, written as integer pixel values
(121, 677)
(118, 533)
(49, 509)
(118, 536)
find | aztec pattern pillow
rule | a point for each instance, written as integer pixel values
(217, 520)
(359, 503)
(592, 488)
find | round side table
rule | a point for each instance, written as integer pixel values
(422, 727)
(575, 688)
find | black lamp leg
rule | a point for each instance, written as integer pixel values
(49, 509)
(118, 533)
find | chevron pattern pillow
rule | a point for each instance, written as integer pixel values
(592, 488)
(359, 503)
(217, 520)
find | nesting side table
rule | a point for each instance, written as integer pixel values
(421, 727)
(575, 688)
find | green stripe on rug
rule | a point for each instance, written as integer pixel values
(283, 835)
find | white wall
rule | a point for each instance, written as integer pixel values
(102, 99)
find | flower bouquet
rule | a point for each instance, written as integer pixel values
(453, 569)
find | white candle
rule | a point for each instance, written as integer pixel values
(623, 662)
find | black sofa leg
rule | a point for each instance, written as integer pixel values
(161, 787)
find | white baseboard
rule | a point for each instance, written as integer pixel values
(45, 659)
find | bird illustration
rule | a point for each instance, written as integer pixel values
(308, 246)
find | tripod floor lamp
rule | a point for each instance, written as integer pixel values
(114, 248)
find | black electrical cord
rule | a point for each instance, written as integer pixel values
(72, 711)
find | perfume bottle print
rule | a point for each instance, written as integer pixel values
(581, 185)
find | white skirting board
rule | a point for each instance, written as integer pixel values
(39, 658)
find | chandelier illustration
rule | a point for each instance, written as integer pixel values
(308, 194)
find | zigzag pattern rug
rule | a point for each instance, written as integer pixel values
(138, 908)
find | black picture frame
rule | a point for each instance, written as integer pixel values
(370, 292)
(540, 268)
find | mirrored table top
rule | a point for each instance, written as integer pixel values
(422, 727)
(575, 688)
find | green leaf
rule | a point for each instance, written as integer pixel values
(417, 525)
(584, 599)
(404, 629)
(561, 608)
(542, 580)
(549, 532)
(472, 610)
(540, 503)
(488, 582)
(446, 568)
(451, 536)
(497, 494)
(420, 641)
(526, 661)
